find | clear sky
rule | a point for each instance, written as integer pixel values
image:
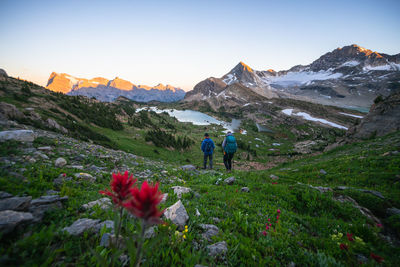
(183, 42)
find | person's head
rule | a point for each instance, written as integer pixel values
(206, 135)
(228, 133)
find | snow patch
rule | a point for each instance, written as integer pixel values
(352, 115)
(308, 117)
(230, 79)
(288, 111)
(387, 67)
(350, 63)
(302, 77)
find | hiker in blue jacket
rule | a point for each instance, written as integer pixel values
(229, 146)
(207, 146)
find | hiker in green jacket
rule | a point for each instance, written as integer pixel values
(229, 146)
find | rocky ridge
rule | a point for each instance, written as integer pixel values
(109, 90)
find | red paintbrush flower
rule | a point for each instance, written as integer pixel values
(350, 237)
(376, 257)
(343, 246)
(264, 233)
(120, 186)
(143, 203)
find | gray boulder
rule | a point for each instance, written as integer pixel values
(210, 231)
(85, 176)
(17, 135)
(177, 214)
(103, 203)
(105, 240)
(179, 190)
(60, 162)
(216, 249)
(53, 124)
(43, 200)
(230, 180)
(9, 111)
(41, 155)
(245, 189)
(188, 167)
(10, 219)
(108, 223)
(80, 226)
(393, 211)
(4, 195)
(43, 204)
(150, 232)
(38, 212)
(15, 203)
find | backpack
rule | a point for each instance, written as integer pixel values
(230, 146)
(208, 147)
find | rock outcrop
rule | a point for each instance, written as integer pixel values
(382, 119)
(18, 211)
(17, 135)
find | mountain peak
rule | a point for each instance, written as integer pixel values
(244, 67)
(121, 84)
(349, 53)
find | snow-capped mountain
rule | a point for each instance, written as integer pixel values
(350, 76)
(109, 90)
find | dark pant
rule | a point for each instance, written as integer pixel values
(205, 160)
(228, 160)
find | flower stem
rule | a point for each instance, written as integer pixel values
(119, 227)
(140, 245)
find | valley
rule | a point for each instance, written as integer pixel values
(293, 156)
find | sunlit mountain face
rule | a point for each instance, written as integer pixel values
(108, 90)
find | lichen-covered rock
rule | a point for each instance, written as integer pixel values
(216, 249)
(60, 162)
(188, 167)
(245, 189)
(10, 219)
(17, 135)
(85, 176)
(177, 214)
(15, 203)
(108, 224)
(103, 203)
(230, 180)
(9, 111)
(179, 190)
(80, 226)
(210, 231)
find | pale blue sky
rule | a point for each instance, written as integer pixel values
(184, 42)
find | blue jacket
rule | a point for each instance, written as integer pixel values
(203, 146)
